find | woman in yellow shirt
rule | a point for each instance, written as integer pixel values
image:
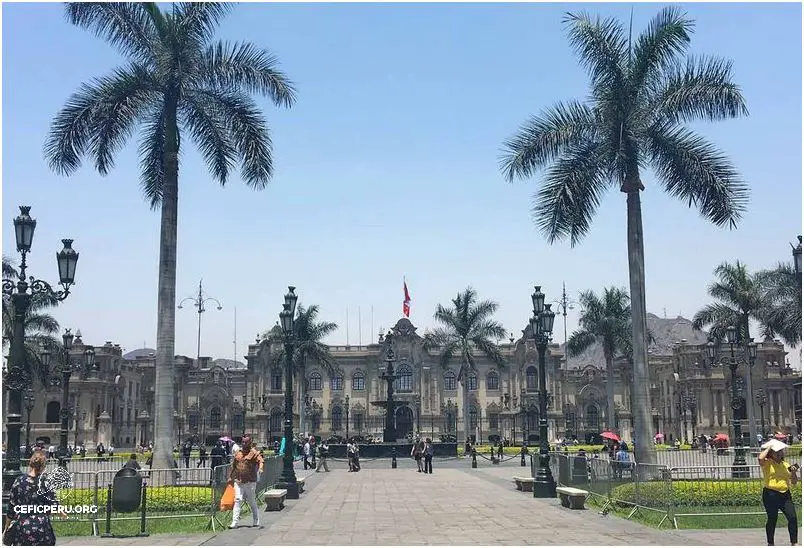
(778, 477)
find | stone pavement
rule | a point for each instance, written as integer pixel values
(455, 506)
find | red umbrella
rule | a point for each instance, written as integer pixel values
(719, 437)
(610, 436)
(780, 436)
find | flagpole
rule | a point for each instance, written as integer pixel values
(371, 333)
(359, 329)
(347, 326)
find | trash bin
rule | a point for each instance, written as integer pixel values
(127, 490)
(580, 473)
(564, 477)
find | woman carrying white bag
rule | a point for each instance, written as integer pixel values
(778, 477)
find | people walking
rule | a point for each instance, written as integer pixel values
(778, 477)
(31, 528)
(247, 463)
(306, 450)
(417, 452)
(323, 453)
(186, 451)
(428, 456)
(202, 456)
(132, 462)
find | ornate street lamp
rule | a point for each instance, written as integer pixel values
(287, 480)
(762, 400)
(541, 324)
(389, 432)
(690, 404)
(739, 468)
(418, 401)
(797, 255)
(30, 400)
(347, 416)
(20, 292)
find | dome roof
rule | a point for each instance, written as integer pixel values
(140, 352)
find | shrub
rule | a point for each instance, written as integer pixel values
(686, 493)
(160, 499)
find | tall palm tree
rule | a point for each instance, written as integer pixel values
(738, 300)
(467, 327)
(40, 327)
(176, 81)
(781, 298)
(308, 333)
(605, 320)
(642, 93)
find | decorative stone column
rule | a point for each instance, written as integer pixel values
(104, 431)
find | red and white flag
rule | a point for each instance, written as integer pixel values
(406, 302)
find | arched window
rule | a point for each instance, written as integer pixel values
(315, 381)
(472, 417)
(193, 422)
(449, 380)
(215, 418)
(337, 418)
(405, 381)
(449, 419)
(472, 381)
(237, 422)
(592, 418)
(276, 420)
(316, 422)
(336, 382)
(357, 421)
(276, 379)
(492, 381)
(358, 381)
(52, 412)
(531, 379)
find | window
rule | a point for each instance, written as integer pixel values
(316, 422)
(315, 381)
(405, 381)
(473, 418)
(215, 418)
(450, 421)
(237, 422)
(494, 421)
(276, 420)
(531, 380)
(492, 381)
(357, 421)
(449, 380)
(592, 418)
(337, 418)
(569, 420)
(52, 412)
(358, 381)
(336, 382)
(472, 381)
(193, 421)
(276, 379)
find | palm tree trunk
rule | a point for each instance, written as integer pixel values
(610, 421)
(166, 306)
(644, 451)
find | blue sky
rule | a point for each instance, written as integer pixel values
(388, 166)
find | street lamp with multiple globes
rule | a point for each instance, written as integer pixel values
(30, 401)
(21, 291)
(541, 324)
(762, 400)
(797, 255)
(347, 416)
(287, 480)
(739, 468)
(690, 404)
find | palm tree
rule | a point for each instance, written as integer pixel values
(605, 320)
(781, 298)
(40, 327)
(175, 78)
(642, 93)
(307, 335)
(738, 300)
(467, 329)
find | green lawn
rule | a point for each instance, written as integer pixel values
(167, 523)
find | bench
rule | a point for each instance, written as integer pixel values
(523, 484)
(300, 482)
(274, 499)
(571, 497)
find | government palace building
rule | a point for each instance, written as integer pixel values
(113, 402)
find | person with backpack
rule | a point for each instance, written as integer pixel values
(428, 451)
(417, 452)
(323, 453)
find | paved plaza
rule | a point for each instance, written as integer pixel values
(456, 505)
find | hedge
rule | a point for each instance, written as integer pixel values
(696, 493)
(160, 499)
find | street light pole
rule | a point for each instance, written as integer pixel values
(418, 413)
(21, 291)
(347, 416)
(762, 400)
(389, 433)
(287, 480)
(30, 400)
(544, 486)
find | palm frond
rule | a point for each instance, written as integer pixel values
(667, 36)
(693, 170)
(698, 89)
(209, 131)
(601, 46)
(152, 157)
(197, 21)
(9, 270)
(579, 342)
(545, 137)
(242, 66)
(127, 26)
(570, 194)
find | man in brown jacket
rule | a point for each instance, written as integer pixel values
(246, 464)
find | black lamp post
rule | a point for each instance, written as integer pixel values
(739, 468)
(797, 255)
(21, 291)
(75, 411)
(263, 400)
(544, 486)
(418, 413)
(347, 416)
(389, 432)
(690, 404)
(287, 480)
(30, 400)
(762, 400)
